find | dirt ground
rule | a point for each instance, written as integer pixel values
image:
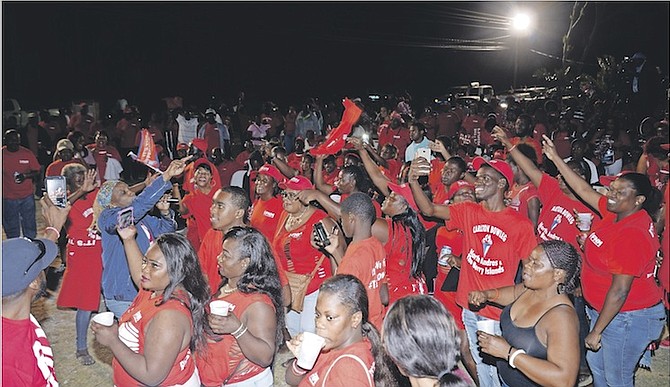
(59, 327)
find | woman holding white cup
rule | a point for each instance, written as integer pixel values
(348, 341)
(246, 316)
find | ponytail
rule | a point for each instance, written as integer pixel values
(386, 373)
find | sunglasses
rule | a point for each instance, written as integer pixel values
(289, 195)
(43, 250)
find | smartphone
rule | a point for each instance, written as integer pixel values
(125, 217)
(57, 190)
(423, 152)
(321, 234)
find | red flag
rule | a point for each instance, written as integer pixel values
(146, 153)
(336, 138)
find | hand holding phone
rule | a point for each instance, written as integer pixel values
(125, 218)
(57, 190)
(423, 152)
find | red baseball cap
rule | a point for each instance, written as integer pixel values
(607, 180)
(499, 165)
(297, 183)
(182, 145)
(456, 186)
(200, 143)
(272, 171)
(405, 191)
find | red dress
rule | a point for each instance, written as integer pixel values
(222, 358)
(83, 273)
(399, 263)
(197, 219)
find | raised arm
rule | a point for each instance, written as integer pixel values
(523, 162)
(134, 255)
(284, 168)
(500, 296)
(89, 185)
(421, 167)
(318, 176)
(378, 179)
(331, 207)
(581, 187)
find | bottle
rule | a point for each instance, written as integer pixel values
(607, 156)
(445, 254)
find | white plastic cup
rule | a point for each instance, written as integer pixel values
(104, 318)
(487, 326)
(584, 221)
(310, 348)
(219, 307)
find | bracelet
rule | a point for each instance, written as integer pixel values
(514, 355)
(54, 229)
(512, 148)
(237, 336)
(497, 295)
(295, 369)
(509, 352)
(238, 330)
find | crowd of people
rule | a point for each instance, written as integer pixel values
(523, 242)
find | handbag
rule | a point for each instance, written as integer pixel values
(450, 283)
(299, 283)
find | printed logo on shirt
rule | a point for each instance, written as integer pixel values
(313, 379)
(269, 214)
(560, 210)
(137, 316)
(651, 230)
(24, 162)
(595, 240)
(556, 222)
(44, 356)
(295, 235)
(487, 242)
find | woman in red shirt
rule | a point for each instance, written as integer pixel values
(293, 246)
(346, 358)
(243, 344)
(156, 337)
(195, 205)
(268, 206)
(624, 301)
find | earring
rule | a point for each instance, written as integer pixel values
(560, 288)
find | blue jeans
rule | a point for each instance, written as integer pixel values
(17, 215)
(486, 368)
(623, 342)
(117, 307)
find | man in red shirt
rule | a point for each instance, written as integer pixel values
(19, 168)
(64, 156)
(364, 258)
(225, 166)
(395, 134)
(495, 240)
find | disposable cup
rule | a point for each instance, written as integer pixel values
(104, 318)
(487, 326)
(584, 221)
(310, 348)
(219, 307)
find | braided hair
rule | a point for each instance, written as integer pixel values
(564, 256)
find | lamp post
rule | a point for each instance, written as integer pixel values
(521, 24)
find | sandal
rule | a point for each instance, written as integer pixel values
(84, 357)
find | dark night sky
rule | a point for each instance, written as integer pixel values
(56, 52)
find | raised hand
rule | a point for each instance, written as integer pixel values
(549, 148)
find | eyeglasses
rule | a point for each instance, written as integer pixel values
(289, 195)
(43, 250)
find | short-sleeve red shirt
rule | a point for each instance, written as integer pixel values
(366, 260)
(21, 161)
(265, 216)
(493, 245)
(337, 368)
(626, 247)
(520, 195)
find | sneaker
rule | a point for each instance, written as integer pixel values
(584, 379)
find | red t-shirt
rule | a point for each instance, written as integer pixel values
(189, 173)
(398, 137)
(293, 160)
(529, 141)
(132, 329)
(221, 358)
(472, 126)
(211, 135)
(21, 161)
(626, 247)
(366, 260)
(28, 359)
(448, 123)
(197, 219)
(435, 176)
(398, 250)
(210, 248)
(520, 195)
(454, 239)
(339, 368)
(557, 219)
(393, 169)
(295, 252)
(493, 245)
(56, 168)
(265, 216)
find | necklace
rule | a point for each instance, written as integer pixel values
(292, 220)
(228, 290)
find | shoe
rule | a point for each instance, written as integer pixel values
(584, 379)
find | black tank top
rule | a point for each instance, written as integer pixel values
(520, 338)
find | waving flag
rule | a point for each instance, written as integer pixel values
(337, 137)
(146, 153)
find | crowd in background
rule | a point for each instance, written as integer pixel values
(472, 202)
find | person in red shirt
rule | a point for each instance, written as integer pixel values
(158, 336)
(244, 342)
(19, 168)
(268, 205)
(365, 257)
(196, 204)
(395, 133)
(624, 301)
(523, 196)
(448, 122)
(101, 151)
(472, 124)
(523, 132)
(350, 339)
(63, 156)
(495, 237)
(28, 358)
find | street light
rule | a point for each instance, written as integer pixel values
(521, 25)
